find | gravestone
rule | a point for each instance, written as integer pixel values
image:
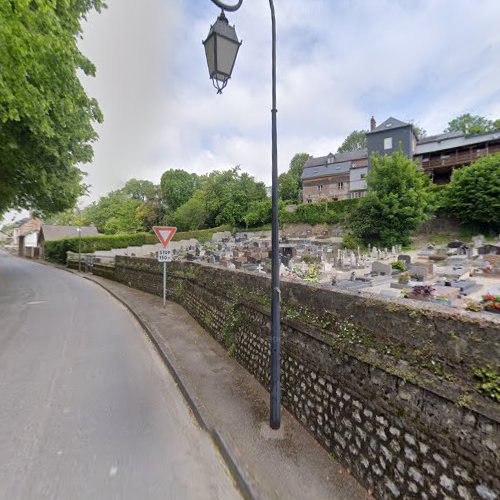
(418, 272)
(478, 240)
(381, 268)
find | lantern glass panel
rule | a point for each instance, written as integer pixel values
(226, 55)
(210, 53)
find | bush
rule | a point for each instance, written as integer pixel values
(55, 250)
(473, 194)
(331, 212)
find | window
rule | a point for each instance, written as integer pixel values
(362, 176)
(309, 200)
(320, 188)
(329, 159)
(340, 185)
(388, 143)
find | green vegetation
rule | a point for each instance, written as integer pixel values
(489, 383)
(332, 212)
(55, 250)
(201, 235)
(46, 118)
(354, 141)
(472, 124)
(473, 194)
(399, 199)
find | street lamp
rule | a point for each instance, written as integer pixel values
(79, 229)
(221, 49)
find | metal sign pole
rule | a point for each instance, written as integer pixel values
(164, 282)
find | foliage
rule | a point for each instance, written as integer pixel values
(191, 215)
(473, 194)
(55, 250)
(489, 383)
(351, 243)
(142, 190)
(399, 199)
(472, 124)
(259, 213)
(228, 196)
(354, 141)
(404, 278)
(296, 166)
(288, 187)
(400, 265)
(46, 118)
(177, 187)
(332, 212)
(114, 213)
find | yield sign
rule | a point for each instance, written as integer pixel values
(164, 234)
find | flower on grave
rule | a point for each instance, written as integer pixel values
(491, 302)
(421, 292)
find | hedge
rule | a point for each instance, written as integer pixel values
(331, 212)
(55, 250)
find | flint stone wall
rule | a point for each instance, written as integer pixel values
(386, 387)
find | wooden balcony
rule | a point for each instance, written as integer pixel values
(457, 158)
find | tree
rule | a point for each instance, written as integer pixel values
(228, 195)
(472, 124)
(473, 194)
(46, 118)
(191, 215)
(399, 199)
(297, 166)
(177, 186)
(288, 187)
(354, 141)
(140, 190)
(114, 213)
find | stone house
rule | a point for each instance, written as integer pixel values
(25, 236)
(437, 155)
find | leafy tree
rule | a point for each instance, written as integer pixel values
(177, 187)
(46, 118)
(472, 124)
(288, 187)
(297, 166)
(473, 194)
(115, 213)
(259, 213)
(399, 199)
(354, 141)
(140, 190)
(228, 196)
(191, 215)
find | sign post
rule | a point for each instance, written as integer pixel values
(165, 255)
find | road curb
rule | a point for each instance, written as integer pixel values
(201, 417)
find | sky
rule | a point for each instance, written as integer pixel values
(339, 63)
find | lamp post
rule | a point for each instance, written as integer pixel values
(221, 49)
(79, 229)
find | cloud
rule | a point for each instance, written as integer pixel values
(338, 63)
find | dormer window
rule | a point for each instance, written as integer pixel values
(329, 159)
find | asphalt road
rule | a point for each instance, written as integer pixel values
(87, 409)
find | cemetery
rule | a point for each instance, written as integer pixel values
(458, 274)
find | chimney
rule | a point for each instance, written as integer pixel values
(373, 124)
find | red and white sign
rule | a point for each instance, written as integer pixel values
(164, 234)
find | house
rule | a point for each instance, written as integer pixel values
(343, 175)
(25, 236)
(50, 232)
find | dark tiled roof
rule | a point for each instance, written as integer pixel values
(58, 232)
(325, 170)
(389, 124)
(359, 154)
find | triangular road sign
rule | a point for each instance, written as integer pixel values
(164, 234)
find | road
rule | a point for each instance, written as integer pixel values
(87, 409)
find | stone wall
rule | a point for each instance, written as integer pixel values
(386, 387)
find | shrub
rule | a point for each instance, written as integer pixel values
(331, 212)
(55, 250)
(399, 265)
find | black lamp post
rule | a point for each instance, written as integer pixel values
(221, 49)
